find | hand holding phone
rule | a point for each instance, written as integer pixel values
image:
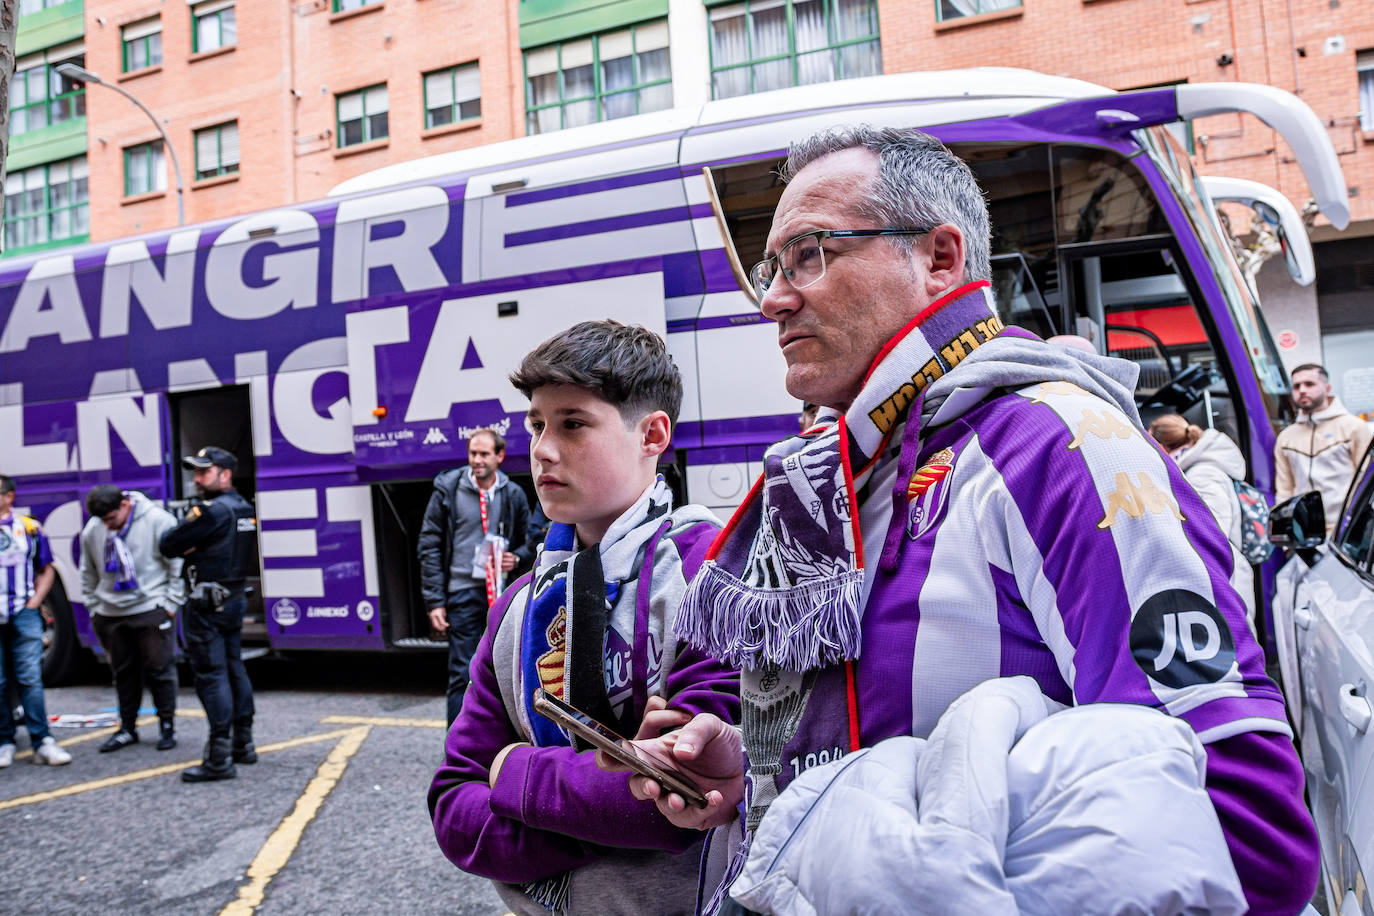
(601, 737)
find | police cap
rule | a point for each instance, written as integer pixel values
(210, 455)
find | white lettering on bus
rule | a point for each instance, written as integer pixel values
(290, 274)
(292, 392)
(51, 281)
(366, 331)
(166, 296)
(423, 216)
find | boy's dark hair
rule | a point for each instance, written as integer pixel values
(625, 365)
(104, 499)
(6, 484)
(498, 441)
(1307, 367)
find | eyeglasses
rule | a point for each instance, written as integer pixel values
(802, 259)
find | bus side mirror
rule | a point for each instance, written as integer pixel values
(1299, 524)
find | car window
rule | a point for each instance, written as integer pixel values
(1357, 537)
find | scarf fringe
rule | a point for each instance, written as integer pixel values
(551, 893)
(798, 628)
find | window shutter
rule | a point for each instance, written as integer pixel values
(143, 28)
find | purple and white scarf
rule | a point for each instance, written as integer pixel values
(119, 560)
(782, 585)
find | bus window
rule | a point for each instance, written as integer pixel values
(1099, 197)
(1147, 313)
(1261, 354)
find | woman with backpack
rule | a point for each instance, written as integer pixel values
(1213, 464)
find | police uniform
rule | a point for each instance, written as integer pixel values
(217, 538)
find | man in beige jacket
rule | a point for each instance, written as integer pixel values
(1323, 446)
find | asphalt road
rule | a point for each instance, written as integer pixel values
(332, 818)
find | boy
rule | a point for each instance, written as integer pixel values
(514, 801)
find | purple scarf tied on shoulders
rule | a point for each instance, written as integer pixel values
(782, 585)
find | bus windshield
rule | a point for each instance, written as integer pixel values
(1177, 167)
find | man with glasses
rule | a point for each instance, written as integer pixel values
(133, 594)
(973, 504)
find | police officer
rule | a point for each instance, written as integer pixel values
(217, 540)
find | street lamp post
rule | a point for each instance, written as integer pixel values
(81, 74)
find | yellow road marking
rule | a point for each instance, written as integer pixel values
(105, 732)
(277, 851)
(136, 775)
(392, 721)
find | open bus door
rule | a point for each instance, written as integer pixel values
(223, 417)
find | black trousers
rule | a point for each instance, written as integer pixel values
(214, 651)
(142, 651)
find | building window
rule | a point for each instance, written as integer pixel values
(40, 96)
(142, 44)
(342, 5)
(213, 25)
(217, 150)
(1364, 66)
(945, 10)
(362, 116)
(598, 78)
(46, 204)
(144, 170)
(453, 95)
(35, 6)
(770, 44)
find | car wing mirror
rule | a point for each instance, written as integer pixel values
(1298, 523)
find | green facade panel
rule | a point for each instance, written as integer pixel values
(545, 21)
(48, 144)
(52, 26)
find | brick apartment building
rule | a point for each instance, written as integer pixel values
(268, 103)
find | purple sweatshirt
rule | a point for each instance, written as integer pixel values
(552, 810)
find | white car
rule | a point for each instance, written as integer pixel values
(1324, 629)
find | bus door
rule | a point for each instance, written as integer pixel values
(221, 417)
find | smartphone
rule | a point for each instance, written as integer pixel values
(575, 720)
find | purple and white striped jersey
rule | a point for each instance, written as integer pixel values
(1042, 534)
(24, 552)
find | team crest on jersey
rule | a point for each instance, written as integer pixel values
(927, 491)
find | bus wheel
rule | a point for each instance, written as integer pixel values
(64, 658)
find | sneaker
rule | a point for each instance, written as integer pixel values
(120, 739)
(51, 753)
(6, 755)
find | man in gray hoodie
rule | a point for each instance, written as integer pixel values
(133, 594)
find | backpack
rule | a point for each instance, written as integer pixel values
(1254, 523)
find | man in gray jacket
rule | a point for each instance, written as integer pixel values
(133, 594)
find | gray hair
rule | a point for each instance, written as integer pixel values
(919, 183)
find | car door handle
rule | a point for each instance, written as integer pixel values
(1302, 616)
(1355, 708)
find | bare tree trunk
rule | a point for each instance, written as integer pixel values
(9, 16)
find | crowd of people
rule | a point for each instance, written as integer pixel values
(970, 586)
(140, 569)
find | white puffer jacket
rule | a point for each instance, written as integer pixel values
(1004, 809)
(1212, 466)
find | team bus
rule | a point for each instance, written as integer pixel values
(345, 348)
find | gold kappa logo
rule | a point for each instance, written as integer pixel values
(1102, 424)
(1137, 500)
(1045, 389)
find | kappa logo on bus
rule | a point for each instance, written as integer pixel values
(1180, 639)
(286, 612)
